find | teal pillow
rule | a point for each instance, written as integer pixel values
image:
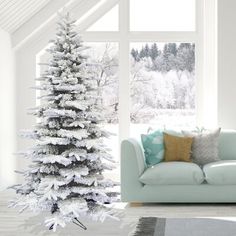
(153, 145)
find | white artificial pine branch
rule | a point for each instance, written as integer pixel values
(69, 156)
(54, 159)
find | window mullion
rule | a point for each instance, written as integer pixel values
(124, 86)
(162, 36)
(199, 54)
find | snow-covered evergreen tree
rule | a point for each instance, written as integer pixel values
(69, 157)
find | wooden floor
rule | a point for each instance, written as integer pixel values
(27, 224)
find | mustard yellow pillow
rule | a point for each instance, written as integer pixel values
(177, 148)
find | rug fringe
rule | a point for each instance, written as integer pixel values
(146, 226)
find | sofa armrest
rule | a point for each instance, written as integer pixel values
(132, 166)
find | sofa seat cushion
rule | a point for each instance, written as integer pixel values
(220, 172)
(171, 173)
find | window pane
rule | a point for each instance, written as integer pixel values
(162, 15)
(103, 61)
(162, 85)
(108, 22)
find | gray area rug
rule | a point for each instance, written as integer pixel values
(152, 226)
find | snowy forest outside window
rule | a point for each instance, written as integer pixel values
(103, 63)
(162, 85)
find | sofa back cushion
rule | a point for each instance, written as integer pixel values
(227, 145)
(205, 147)
(153, 146)
(177, 148)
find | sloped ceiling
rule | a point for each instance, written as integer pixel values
(14, 13)
(30, 19)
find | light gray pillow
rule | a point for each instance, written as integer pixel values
(204, 146)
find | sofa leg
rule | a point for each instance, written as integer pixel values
(136, 204)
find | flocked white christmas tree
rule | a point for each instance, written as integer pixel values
(69, 157)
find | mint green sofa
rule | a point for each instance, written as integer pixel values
(220, 188)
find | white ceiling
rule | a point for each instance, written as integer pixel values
(28, 19)
(14, 13)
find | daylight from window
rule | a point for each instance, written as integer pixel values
(103, 64)
(162, 85)
(108, 22)
(159, 15)
(162, 81)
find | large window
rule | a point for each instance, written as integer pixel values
(159, 49)
(103, 63)
(162, 86)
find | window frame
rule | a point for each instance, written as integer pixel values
(124, 37)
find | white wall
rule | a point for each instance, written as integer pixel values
(227, 64)
(209, 82)
(7, 111)
(25, 69)
(25, 99)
